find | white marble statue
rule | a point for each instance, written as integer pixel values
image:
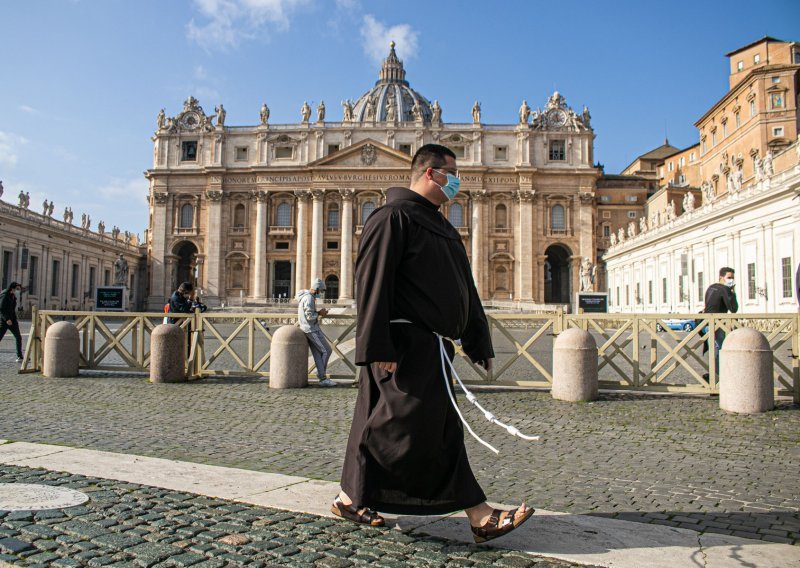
(768, 170)
(436, 112)
(758, 166)
(642, 224)
(524, 112)
(50, 209)
(476, 113)
(613, 239)
(347, 111)
(264, 114)
(631, 229)
(688, 202)
(305, 112)
(220, 110)
(120, 271)
(738, 179)
(621, 235)
(587, 275)
(161, 119)
(321, 111)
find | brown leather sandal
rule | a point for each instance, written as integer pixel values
(494, 527)
(362, 516)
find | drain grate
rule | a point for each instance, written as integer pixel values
(31, 497)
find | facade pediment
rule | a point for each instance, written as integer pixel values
(365, 154)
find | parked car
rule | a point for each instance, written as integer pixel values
(677, 324)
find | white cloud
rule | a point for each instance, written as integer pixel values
(9, 146)
(229, 22)
(30, 110)
(200, 73)
(376, 38)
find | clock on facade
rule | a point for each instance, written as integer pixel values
(557, 117)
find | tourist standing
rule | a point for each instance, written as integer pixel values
(721, 299)
(308, 318)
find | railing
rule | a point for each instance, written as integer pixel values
(635, 352)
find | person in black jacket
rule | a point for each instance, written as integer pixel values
(721, 299)
(181, 300)
(8, 310)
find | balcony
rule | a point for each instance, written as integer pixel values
(277, 231)
(185, 231)
(239, 230)
(463, 231)
(501, 230)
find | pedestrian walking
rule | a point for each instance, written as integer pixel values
(308, 318)
(406, 451)
(8, 311)
(720, 299)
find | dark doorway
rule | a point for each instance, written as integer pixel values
(332, 288)
(282, 279)
(557, 289)
(187, 262)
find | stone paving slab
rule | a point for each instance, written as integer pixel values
(666, 460)
(571, 538)
(127, 524)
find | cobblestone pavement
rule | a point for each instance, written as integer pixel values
(125, 524)
(668, 460)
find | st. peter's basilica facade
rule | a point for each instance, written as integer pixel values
(255, 212)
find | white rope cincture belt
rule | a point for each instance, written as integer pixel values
(470, 397)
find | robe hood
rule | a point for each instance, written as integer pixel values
(302, 293)
(421, 211)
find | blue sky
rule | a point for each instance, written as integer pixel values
(83, 80)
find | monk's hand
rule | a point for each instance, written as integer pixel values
(388, 366)
(486, 364)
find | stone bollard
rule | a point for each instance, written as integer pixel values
(574, 366)
(288, 368)
(62, 350)
(168, 354)
(746, 379)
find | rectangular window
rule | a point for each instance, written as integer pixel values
(333, 218)
(664, 290)
(681, 290)
(332, 245)
(704, 146)
(700, 285)
(670, 167)
(692, 157)
(627, 295)
(106, 277)
(777, 131)
(33, 275)
(405, 148)
(751, 281)
(739, 65)
(56, 277)
(284, 152)
(752, 108)
(189, 151)
(681, 179)
(650, 291)
(501, 153)
(786, 276)
(756, 59)
(776, 80)
(459, 151)
(557, 150)
(713, 139)
(282, 245)
(606, 231)
(681, 162)
(776, 100)
(7, 264)
(631, 214)
(724, 129)
(638, 294)
(618, 296)
(737, 119)
(631, 198)
(333, 148)
(73, 290)
(241, 153)
(605, 199)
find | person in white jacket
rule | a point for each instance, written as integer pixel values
(308, 319)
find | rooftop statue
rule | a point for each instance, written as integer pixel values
(264, 114)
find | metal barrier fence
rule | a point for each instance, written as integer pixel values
(637, 351)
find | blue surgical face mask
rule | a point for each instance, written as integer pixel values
(317, 295)
(450, 189)
(729, 282)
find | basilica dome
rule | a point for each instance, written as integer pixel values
(391, 99)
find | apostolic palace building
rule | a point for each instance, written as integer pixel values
(254, 212)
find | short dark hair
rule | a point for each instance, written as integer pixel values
(185, 287)
(724, 270)
(429, 156)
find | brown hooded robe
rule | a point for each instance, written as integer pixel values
(406, 452)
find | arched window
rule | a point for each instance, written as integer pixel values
(366, 211)
(455, 214)
(557, 218)
(283, 216)
(333, 217)
(238, 215)
(187, 216)
(500, 217)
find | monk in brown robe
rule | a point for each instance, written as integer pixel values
(406, 452)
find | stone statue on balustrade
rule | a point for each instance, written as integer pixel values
(621, 235)
(347, 111)
(120, 271)
(758, 168)
(688, 202)
(642, 224)
(45, 207)
(50, 209)
(115, 232)
(768, 168)
(738, 179)
(161, 119)
(305, 112)
(264, 114)
(653, 220)
(1, 188)
(708, 192)
(669, 211)
(21, 197)
(321, 111)
(101, 228)
(524, 112)
(613, 239)
(476, 113)
(631, 230)
(436, 112)
(83, 220)
(587, 118)
(587, 275)
(220, 110)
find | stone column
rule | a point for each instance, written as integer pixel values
(260, 262)
(158, 273)
(346, 269)
(300, 261)
(525, 197)
(317, 205)
(478, 253)
(214, 284)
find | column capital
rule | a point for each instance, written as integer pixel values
(302, 194)
(160, 197)
(524, 196)
(260, 195)
(214, 195)
(347, 194)
(317, 194)
(479, 196)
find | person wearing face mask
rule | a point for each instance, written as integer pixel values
(406, 451)
(308, 319)
(8, 311)
(720, 299)
(181, 301)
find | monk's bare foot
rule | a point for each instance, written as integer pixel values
(345, 499)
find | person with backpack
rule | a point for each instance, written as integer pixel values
(8, 310)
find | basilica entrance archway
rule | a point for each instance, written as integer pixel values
(332, 287)
(185, 267)
(282, 279)
(557, 287)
